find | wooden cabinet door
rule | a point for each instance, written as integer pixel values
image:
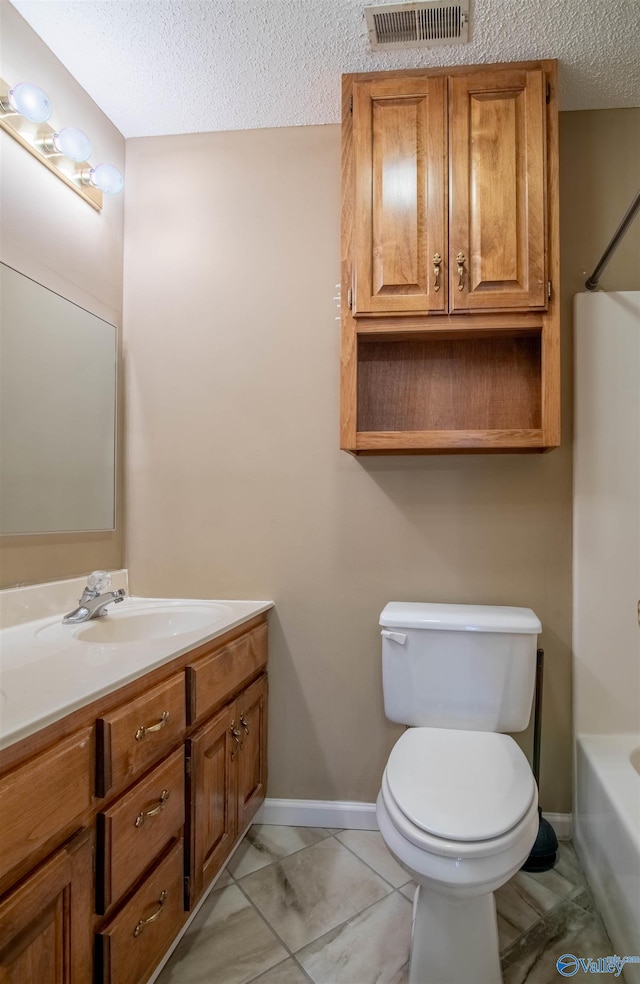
(252, 758)
(399, 221)
(497, 185)
(211, 798)
(45, 924)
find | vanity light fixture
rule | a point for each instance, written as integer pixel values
(24, 111)
(27, 100)
(106, 177)
(71, 143)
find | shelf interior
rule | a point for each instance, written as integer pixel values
(449, 384)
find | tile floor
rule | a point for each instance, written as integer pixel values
(306, 904)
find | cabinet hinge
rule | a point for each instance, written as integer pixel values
(548, 91)
(548, 290)
(350, 298)
(351, 105)
(187, 765)
(187, 891)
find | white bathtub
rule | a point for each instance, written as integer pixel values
(607, 835)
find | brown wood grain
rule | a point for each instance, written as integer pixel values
(449, 442)
(348, 335)
(122, 752)
(252, 706)
(127, 848)
(211, 679)
(449, 385)
(123, 958)
(45, 923)
(399, 188)
(497, 207)
(55, 770)
(211, 800)
(503, 164)
(45, 799)
(551, 335)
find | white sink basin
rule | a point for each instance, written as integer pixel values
(130, 623)
(136, 626)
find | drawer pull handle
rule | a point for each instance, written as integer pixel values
(147, 729)
(145, 814)
(244, 724)
(152, 918)
(460, 258)
(437, 260)
(236, 735)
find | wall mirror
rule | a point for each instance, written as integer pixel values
(57, 412)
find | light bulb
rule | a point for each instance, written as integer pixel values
(30, 101)
(107, 178)
(73, 143)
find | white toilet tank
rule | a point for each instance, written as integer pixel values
(470, 667)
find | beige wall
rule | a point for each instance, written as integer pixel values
(235, 483)
(53, 236)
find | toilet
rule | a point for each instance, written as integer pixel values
(458, 804)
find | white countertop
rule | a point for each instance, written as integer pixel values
(48, 670)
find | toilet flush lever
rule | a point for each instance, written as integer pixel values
(400, 637)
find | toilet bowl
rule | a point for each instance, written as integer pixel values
(459, 811)
(458, 806)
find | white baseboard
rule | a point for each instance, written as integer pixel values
(318, 813)
(562, 823)
(353, 816)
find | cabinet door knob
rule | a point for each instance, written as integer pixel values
(437, 260)
(147, 729)
(244, 724)
(460, 260)
(145, 814)
(152, 918)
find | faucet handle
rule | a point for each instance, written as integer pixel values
(99, 581)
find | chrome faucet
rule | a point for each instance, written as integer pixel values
(94, 600)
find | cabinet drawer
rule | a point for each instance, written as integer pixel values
(136, 735)
(214, 678)
(41, 799)
(132, 944)
(137, 827)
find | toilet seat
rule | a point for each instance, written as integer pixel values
(458, 793)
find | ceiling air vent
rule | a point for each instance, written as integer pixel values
(417, 25)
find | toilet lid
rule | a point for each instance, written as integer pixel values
(461, 785)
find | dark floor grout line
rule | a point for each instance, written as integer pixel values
(334, 929)
(266, 922)
(395, 888)
(284, 856)
(282, 962)
(291, 955)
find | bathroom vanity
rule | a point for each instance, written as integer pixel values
(117, 815)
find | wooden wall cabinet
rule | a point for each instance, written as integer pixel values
(110, 788)
(450, 338)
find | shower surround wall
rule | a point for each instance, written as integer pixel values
(606, 591)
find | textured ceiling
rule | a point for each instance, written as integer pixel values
(181, 66)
